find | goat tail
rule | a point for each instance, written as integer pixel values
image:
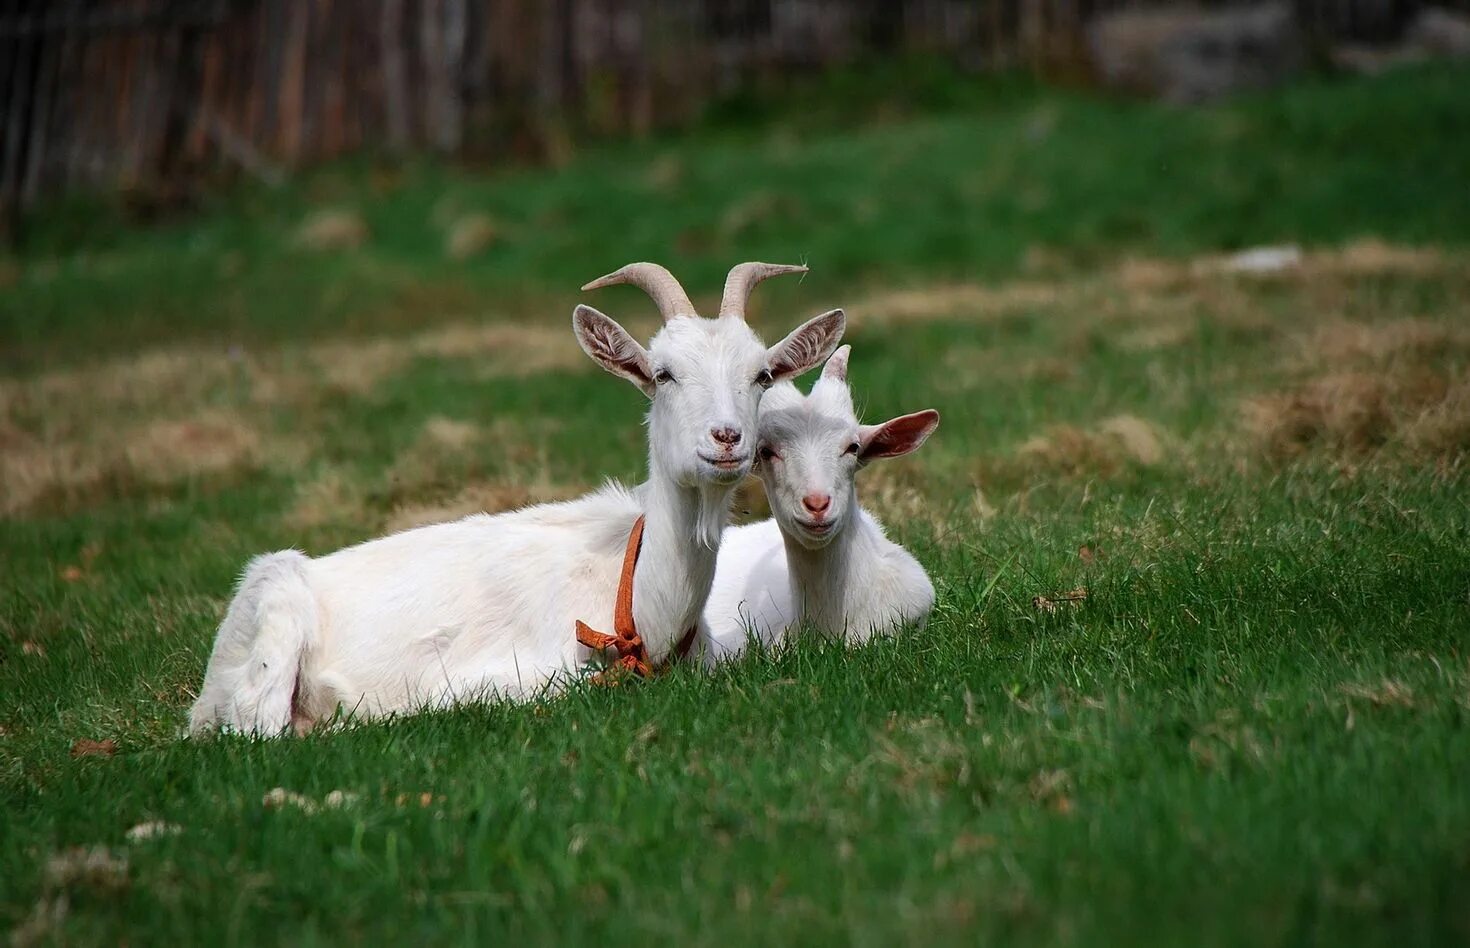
(271, 627)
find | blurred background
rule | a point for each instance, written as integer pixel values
(252, 171)
(156, 96)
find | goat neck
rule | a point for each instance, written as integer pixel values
(681, 537)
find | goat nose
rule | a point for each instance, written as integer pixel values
(726, 436)
(817, 504)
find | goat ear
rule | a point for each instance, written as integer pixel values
(611, 347)
(836, 367)
(807, 346)
(897, 436)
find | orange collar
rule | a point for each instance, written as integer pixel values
(632, 653)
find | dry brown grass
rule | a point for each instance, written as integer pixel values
(1152, 338)
(440, 452)
(944, 302)
(1363, 388)
(1443, 429)
(498, 349)
(907, 492)
(427, 483)
(1117, 446)
(892, 491)
(287, 376)
(111, 463)
(328, 498)
(1148, 307)
(1375, 344)
(1353, 414)
(1371, 257)
(1365, 257)
(483, 497)
(163, 450)
(76, 436)
(1104, 450)
(1152, 303)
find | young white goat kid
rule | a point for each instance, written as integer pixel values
(821, 558)
(487, 605)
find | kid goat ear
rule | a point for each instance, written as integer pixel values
(836, 368)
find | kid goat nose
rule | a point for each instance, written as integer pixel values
(817, 504)
(726, 436)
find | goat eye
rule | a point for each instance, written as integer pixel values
(662, 376)
(853, 448)
(766, 453)
(764, 378)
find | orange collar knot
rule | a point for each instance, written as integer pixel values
(632, 654)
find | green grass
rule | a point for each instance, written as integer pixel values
(1254, 729)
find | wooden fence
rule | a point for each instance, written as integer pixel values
(152, 94)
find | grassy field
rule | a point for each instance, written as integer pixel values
(1246, 721)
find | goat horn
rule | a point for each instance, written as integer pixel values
(654, 280)
(742, 279)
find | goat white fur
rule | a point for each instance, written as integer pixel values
(486, 606)
(821, 558)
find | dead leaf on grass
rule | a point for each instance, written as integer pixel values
(86, 747)
(1055, 601)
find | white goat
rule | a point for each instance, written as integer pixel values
(821, 558)
(486, 606)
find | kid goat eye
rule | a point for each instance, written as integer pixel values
(662, 376)
(764, 378)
